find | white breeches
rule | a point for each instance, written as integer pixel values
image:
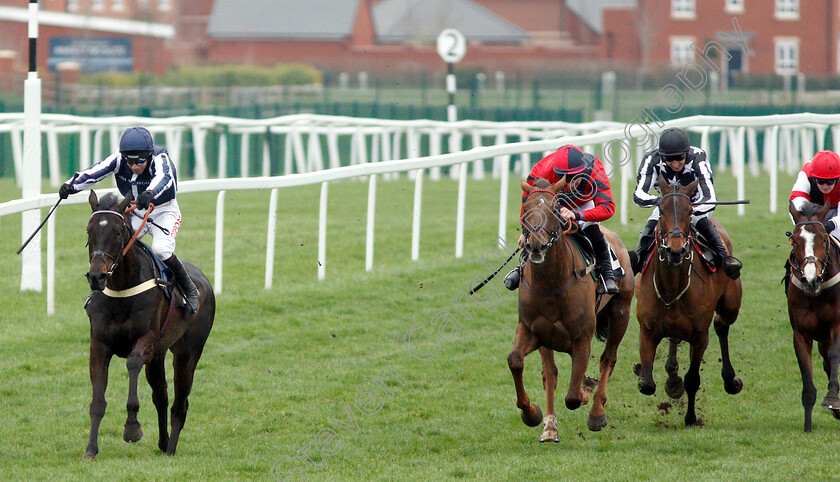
(167, 215)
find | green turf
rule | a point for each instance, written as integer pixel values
(282, 364)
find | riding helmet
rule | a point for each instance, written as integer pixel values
(673, 142)
(571, 159)
(826, 165)
(137, 140)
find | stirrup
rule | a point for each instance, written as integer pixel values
(605, 287)
(732, 267)
(511, 280)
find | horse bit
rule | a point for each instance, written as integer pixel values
(799, 265)
(554, 234)
(663, 245)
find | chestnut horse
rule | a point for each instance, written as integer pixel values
(557, 312)
(677, 296)
(814, 303)
(130, 317)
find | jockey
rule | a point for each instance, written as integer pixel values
(817, 183)
(589, 201)
(677, 161)
(145, 171)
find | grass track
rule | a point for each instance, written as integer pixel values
(281, 363)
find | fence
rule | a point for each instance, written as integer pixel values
(791, 139)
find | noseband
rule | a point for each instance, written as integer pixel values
(662, 245)
(558, 230)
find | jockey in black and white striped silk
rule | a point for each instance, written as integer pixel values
(817, 183)
(145, 171)
(678, 162)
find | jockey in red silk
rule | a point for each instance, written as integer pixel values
(817, 183)
(588, 201)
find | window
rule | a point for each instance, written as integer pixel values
(787, 9)
(681, 52)
(142, 5)
(164, 5)
(683, 9)
(734, 6)
(787, 55)
(98, 5)
(118, 5)
(72, 5)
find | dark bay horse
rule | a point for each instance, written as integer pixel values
(814, 303)
(677, 296)
(130, 317)
(557, 312)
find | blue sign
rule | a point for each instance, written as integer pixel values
(95, 54)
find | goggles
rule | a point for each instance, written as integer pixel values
(674, 158)
(827, 182)
(134, 159)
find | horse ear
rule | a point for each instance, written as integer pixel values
(559, 185)
(664, 187)
(526, 187)
(824, 211)
(94, 202)
(691, 187)
(794, 213)
(121, 207)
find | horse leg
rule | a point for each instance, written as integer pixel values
(579, 390)
(618, 319)
(156, 376)
(524, 342)
(803, 346)
(140, 354)
(647, 352)
(831, 356)
(692, 378)
(186, 356)
(549, 375)
(727, 313)
(674, 385)
(100, 359)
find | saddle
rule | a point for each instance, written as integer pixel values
(584, 247)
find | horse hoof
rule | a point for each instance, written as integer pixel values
(590, 384)
(90, 456)
(637, 369)
(693, 422)
(549, 433)
(596, 424)
(573, 404)
(535, 418)
(132, 432)
(647, 389)
(734, 387)
(836, 414)
(675, 388)
(831, 403)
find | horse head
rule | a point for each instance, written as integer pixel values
(809, 256)
(107, 233)
(541, 221)
(675, 210)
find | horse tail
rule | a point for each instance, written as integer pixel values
(602, 326)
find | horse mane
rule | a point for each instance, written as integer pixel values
(810, 209)
(108, 202)
(542, 183)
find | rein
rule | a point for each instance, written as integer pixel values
(558, 231)
(136, 233)
(662, 245)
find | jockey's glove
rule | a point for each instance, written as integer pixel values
(144, 199)
(65, 190)
(829, 226)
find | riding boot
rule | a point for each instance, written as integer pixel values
(731, 266)
(604, 261)
(640, 254)
(511, 280)
(185, 282)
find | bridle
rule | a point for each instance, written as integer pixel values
(99, 254)
(799, 266)
(662, 246)
(559, 229)
(662, 241)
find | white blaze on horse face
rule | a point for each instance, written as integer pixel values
(104, 222)
(810, 270)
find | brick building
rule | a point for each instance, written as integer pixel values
(756, 36)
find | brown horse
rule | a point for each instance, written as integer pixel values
(677, 297)
(557, 312)
(814, 303)
(130, 317)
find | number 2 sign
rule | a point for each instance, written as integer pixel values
(451, 45)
